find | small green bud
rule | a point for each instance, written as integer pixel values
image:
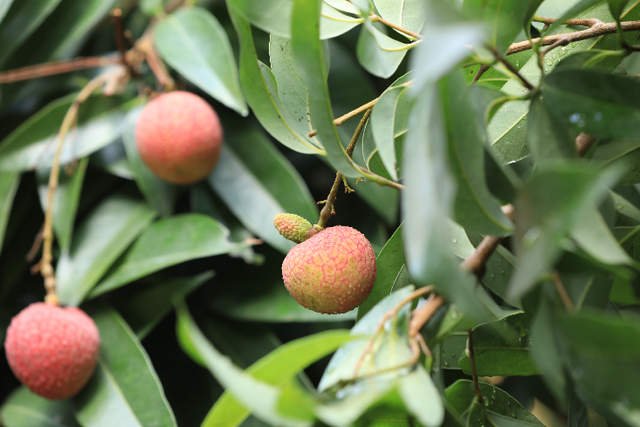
(294, 227)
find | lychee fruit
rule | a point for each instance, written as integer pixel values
(179, 137)
(331, 272)
(52, 350)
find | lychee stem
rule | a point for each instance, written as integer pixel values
(46, 269)
(328, 208)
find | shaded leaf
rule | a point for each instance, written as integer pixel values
(98, 241)
(25, 409)
(277, 368)
(167, 242)
(193, 42)
(404, 13)
(21, 20)
(9, 182)
(32, 144)
(146, 308)
(259, 397)
(502, 347)
(125, 389)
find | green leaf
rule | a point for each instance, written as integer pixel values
(428, 203)
(577, 10)
(257, 183)
(548, 138)
(267, 301)
(502, 347)
(445, 42)
(151, 7)
(383, 123)
(461, 394)
(406, 14)
(603, 105)
(308, 52)
(274, 16)
(65, 199)
(505, 19)
(378, 53)
(277, 368)
(594, 237)
(507, 130)
(158, 193)
(33, 143)
(146, 308)
(8, 186)
(167, 242)
(4, 7)
(20, 21)
(60, 35)
(261, 92)
(421, 397)
(475, 208)
(125, 389)
(603, 357)
(25, 409)
(550, 216)
(617, 7)
(193, 42)
(389, 264)
(545, 350)
(98, 241)
(258, 396)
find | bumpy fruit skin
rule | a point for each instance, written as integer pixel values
(52, 350)
(332, 272)
(179, 137)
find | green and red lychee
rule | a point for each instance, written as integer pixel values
(179, 137)
(52, 350)
(294, 227)
(332, 272)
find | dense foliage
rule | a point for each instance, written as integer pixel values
(500, 170)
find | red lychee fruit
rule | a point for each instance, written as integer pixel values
(332, 272)
(52, 350)
(179, 137)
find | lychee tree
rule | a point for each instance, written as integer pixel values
(180, 174)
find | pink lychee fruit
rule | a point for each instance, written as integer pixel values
(332, 272)
(179, 137)
(52, 350)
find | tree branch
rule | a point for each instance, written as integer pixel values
(57, 67)
(596, 30)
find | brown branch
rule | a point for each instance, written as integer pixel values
(477, 260)
(562, 292)
(116, 15)
(46, 269)
(511, 68)
(584, 142)
(340, 120)
(578, 22)
(381, 20)
(57, 67)
(328, 208)
(598, 29)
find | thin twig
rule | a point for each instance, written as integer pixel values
(116, 15)
(483, 69)
(340, 120)
(596, 30)
(578, 22)
(562, 292)
(512, 68)
(475, 263)
(57, 67)
(474, 374)
(381, 20)
(328, 208)
(46, 269)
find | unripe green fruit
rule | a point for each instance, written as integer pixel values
(294, 227)
(179, 137)
(332, 272)
(52, 350)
